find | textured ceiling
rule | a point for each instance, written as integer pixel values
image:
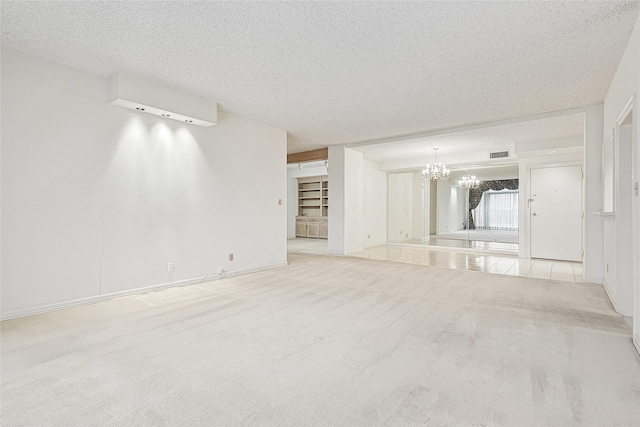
(341, 72)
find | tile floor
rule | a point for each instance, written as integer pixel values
(449, 258)
(473, 244)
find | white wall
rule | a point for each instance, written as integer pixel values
(451, 207)
(405, 200)
(621, 226)
(336, 220)
(354, 190)
(374, 205)
(624, 289)
(357, 202)
(488, 174)
(98, 199)
(418, 217)
(539, 147)
(593, 224)
(346, 189)
(400, 200)
(292, 204)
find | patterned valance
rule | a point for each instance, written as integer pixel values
(475, 194)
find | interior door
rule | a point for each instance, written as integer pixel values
(555, 204)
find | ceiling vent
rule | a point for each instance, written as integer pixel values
(499, 155)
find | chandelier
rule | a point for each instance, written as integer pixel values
(436, 171)
(468, 181)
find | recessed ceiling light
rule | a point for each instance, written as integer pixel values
(146, 96)
(553, 151)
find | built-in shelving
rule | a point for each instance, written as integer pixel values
(313, 207)
(313, 196)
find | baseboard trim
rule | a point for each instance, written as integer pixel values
(357, 251)
(346, 253)
(99, 298)
(611, 298)
(594, 280)
(636, 343)
(374, 245)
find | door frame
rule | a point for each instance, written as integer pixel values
(632, 108)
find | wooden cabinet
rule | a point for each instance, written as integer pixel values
(313, 207)
(324, 230)
(313, 229)
(301, 228)
(310, 226)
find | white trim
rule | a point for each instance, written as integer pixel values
(611, 140)
(630, 108)
(347, 253)
(99, 298)
(625, 111)
(604, 214)
(593, 280)
(457, 129)
(373, 245)
(611, 298)
(635, 220)
(355, 251)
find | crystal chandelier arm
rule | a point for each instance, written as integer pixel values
(437, 171)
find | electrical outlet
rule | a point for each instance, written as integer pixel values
(230, 257)
(170, 267)
(220, 270)
(368, 236)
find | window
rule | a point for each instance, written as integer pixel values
(497, 210)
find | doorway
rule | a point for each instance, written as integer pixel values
(627, 217)
(555, 202)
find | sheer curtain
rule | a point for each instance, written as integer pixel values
(497, 210)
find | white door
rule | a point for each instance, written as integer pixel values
(556, 212)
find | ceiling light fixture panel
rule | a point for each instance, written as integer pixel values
(150, 97)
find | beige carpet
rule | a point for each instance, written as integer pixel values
(329, 341)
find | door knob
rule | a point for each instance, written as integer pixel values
(534, 214)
